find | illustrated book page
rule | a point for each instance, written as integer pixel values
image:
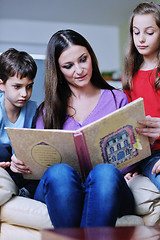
(111, 139)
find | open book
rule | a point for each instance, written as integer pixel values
(111, 139)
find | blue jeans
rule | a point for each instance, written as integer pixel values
(147, 165)
(103, 197)
(5, 152)
(5, 156)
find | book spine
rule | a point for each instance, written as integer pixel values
(82, 153)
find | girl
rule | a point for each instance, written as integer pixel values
(76, 95)
(141, 78)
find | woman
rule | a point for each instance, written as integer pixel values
(76, 95)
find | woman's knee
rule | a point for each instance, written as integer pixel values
(56, 172)
(106, 172)
(60, 174)
(53, 179)
(104, 183)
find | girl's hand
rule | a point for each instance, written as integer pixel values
(150, 128)
(18, 166)
(130, 175)
(156, 168)
(5, 164)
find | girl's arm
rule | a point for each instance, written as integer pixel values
(130, 175)
(150, 128)
(156, 167)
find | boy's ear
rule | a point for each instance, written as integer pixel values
(1, 85)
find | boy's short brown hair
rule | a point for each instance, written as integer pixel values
(19, 63)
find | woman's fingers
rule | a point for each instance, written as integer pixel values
(18, 166)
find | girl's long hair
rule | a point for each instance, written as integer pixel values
(133, 59)
(57, 92)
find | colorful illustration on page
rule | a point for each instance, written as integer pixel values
(119, 146)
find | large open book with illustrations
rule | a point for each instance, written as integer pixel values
(111, 139)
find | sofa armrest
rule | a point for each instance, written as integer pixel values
(7, 186)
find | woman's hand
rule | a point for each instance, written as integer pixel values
(150, 128)
(18, 166)
(130, 175)
(5, 164)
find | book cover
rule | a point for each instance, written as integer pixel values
(111, 139)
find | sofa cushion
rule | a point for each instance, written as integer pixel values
(26, 212)
(129, 220)
(7, 186)
(147, 199)
(11, 232)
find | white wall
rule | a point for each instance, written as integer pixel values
(33, 36)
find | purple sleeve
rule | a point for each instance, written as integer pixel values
(123, 100)
(39, 123)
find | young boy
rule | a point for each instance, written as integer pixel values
(17, 73)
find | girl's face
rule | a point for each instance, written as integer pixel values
(146, 35)
(76, 65)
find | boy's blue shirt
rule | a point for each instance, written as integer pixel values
(24, 120)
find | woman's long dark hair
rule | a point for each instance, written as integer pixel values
(133, 59)
(57, 90)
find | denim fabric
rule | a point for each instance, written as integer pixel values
(103, 197)
(5, 156)
(147, 165)
(5, 152)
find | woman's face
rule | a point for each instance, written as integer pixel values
(76, 65)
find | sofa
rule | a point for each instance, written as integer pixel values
(24, 218)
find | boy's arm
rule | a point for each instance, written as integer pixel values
(5, 164)
(31, 107)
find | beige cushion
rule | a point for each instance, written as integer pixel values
(10, 232)
(26, 212)
(147, 198)
(7, 186)
(129, 220)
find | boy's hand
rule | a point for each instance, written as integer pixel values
(18, 166)
(5, 164)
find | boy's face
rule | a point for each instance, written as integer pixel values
(16, 91)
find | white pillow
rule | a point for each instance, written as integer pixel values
(7, 186)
